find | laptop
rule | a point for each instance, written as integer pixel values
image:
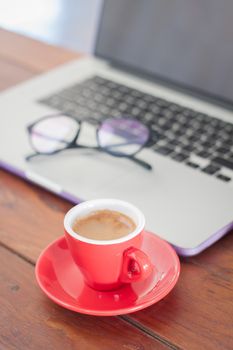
(169, 65)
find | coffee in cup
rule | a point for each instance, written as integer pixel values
(104, 225)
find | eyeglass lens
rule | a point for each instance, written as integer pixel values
(122, 136)
(53, 133)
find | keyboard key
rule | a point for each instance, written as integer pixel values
(211, 169)
(156, 135)
(215, 122)
(211, 140)
(179, 157)
(204, 154)
(117, 94)
(168, 113)
(112, 85)
(204, 118)
(207, 145)
(163, 150)
(227, 142)
(155, 108)
(162, 103)
(115, 113)
(179, 132)
(228, 127)
(174, 143)
(188, 148)
(187, 112)
(124, 89)
(181, 118)
(175, 126)
(166, 126)
(174, 108)
(122, 107)
(110, 102)
(194, 138)
(223, 177)
(149, 98)
(148, 117)
(192, 165)
(223, 162)
(140, 103)
(135, 112)
(161, 121)
(202, 162)
(154, 138)
(98, 79)
(222, 150)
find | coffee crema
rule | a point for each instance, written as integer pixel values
(104, 225)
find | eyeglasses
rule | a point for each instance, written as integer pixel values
(119, 136)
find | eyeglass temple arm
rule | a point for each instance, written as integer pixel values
(133, 158)
(141, 162)
(136, 160)
(33, 155)
(30, 156)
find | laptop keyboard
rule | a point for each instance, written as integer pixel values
(185, 135)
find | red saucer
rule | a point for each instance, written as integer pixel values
(61, 280)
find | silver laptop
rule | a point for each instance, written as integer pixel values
(168, 65)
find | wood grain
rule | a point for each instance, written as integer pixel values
(30, 216)
(29, 320)
(198, 314)
(18, 74)
(32, 54)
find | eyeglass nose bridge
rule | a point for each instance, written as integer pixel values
(87, 135)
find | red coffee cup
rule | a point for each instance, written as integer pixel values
(107, 264)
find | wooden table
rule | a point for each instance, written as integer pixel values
(197, 314)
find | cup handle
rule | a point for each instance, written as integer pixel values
(136, 266)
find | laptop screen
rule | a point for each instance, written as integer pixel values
(186, 42)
